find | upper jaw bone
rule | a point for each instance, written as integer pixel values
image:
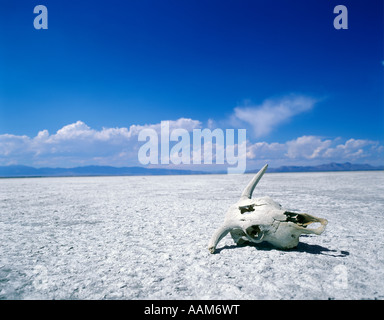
(317, 231)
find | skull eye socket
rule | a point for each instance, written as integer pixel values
(253, 231)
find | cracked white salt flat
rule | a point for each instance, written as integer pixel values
(147, 238)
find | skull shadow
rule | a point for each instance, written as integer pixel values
(301, 247)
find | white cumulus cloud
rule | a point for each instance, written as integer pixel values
(273, 112)
(77, 144)
(313, 148)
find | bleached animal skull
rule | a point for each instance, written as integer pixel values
(262, 219)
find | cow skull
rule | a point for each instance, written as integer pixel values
(262, 219)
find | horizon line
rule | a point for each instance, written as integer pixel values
(143, 171)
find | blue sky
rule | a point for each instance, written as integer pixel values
(306, 92)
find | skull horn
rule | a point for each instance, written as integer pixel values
(247, 193)
(220, 234)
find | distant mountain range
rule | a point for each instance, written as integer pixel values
(347, 166)
(25, 171)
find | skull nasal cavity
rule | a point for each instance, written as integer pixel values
(253, 231)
